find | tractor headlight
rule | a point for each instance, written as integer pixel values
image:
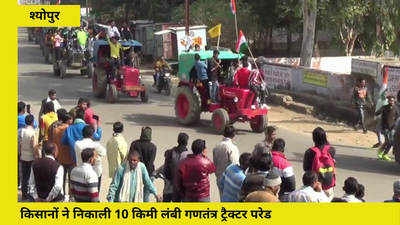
(235, 99)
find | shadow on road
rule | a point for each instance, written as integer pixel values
(355, 147)
(203, 126)
(304, 121)
(360, 164)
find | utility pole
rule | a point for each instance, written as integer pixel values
(187, 17)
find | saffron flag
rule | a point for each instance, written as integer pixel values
(215, 31)
(233, 7)
(241, 45)
(382, 100)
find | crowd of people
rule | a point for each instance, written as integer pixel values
(83, 38)
(238, 74)
(66, 151)
(387, 116)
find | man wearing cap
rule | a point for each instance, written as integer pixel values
(269, 193)
(396, 192)
(256, 180)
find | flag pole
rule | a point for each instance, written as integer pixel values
(252, 57)
(236, 27)
(219, 36)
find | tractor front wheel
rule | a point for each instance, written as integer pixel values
(112, 93)
(99, 85)
(63, 69)
(220, 119)
(56, 69)
(259, 123)
(144, 95)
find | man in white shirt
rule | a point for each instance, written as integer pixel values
(87, 142)
(51, 98)
(46, 178)
(350, 187)
(113, 30)
(27, 141)
(311, 191)
(224, 154)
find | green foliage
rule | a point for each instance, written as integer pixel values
(347, 23)
(373, 25)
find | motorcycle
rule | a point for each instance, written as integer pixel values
(164, 82)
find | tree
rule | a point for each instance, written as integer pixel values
(309, 20)
(347, 22)
(289, 17)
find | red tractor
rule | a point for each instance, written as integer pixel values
(235, 104)
(110, 84)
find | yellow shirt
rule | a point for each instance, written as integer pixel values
(117, 149)
(48, 119)
(115, 49)
(160, 64)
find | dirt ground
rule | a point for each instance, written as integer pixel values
(337, 133)
(297, 122)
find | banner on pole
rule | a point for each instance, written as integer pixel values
(215, 31)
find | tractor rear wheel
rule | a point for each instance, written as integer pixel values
(259, 123)
(112, 93)
(99, 86)
(168, 89)
(396, 145)
(220, 119)
(63, 70)
(46, 55)
(90, 70)
(83, 72)
(56, 69)
(144, 95)
(187, 106)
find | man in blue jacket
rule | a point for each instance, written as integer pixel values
(75, 132)
(202, 75)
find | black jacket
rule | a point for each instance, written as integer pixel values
(172, 159)
(389, 116)
(309, 157)
(147, 151)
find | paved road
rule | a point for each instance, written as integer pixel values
(35, 78)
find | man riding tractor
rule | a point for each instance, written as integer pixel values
(82, 41)
(48, 46)
(235, 103)
(110, 82)
(115, 54)
(59, 66)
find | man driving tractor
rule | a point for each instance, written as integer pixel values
(82, 37)
(115, 52)
(57, 41)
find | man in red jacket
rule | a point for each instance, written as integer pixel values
(241, 78)
(193, 182)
